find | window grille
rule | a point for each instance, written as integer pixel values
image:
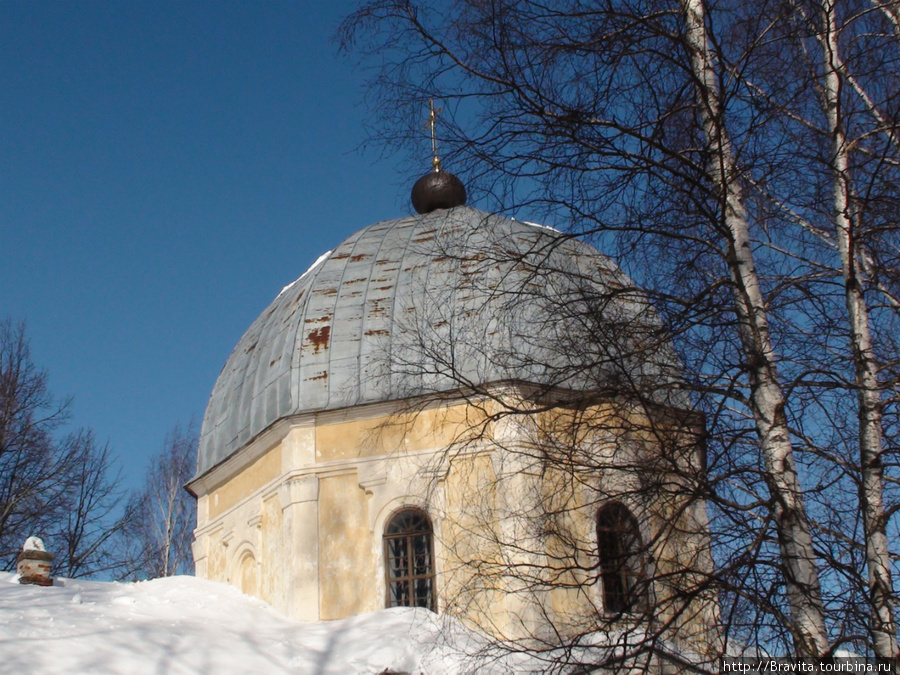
(620, 549)
(409, 560)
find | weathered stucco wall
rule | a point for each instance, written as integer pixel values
(250, 480)
(345, 548)
(474, 592)
(387, 435)
(273, 561)
(302, 525)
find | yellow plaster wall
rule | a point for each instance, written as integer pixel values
(408, 432)
(216, 566)
(609, 446)
(574, 595)
(345, 549)
(203, 509)
(275, 562)
(248, 579)
(604, 435)
(633, 453)
(469, 587)
(248, 481)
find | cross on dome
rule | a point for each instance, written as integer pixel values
(437, 189)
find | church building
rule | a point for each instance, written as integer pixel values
(464, 412)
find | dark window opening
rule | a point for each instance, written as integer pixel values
(409, 561)
(620, 549)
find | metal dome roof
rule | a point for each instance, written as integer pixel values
(428, 303)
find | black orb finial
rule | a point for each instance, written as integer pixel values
(437, 189)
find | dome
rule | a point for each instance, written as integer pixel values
(438, 302)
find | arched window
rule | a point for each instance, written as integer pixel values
(619, 546)
(409, 560)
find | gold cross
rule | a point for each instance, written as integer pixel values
(432, 116)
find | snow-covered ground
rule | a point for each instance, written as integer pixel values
(189, 625)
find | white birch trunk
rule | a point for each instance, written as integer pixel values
(766, 396)
(869, 398)
(167, 507)
(891, 9)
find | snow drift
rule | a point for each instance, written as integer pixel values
(189, 625)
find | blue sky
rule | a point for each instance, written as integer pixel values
(165, 169)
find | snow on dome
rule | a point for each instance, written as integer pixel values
(318, 261)
(469, 284)
(546, 227)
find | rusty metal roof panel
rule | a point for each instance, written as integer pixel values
(423, 303)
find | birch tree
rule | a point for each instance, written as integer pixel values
(766, 394)
(161, 515)
(859, 173)
(866, 367)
